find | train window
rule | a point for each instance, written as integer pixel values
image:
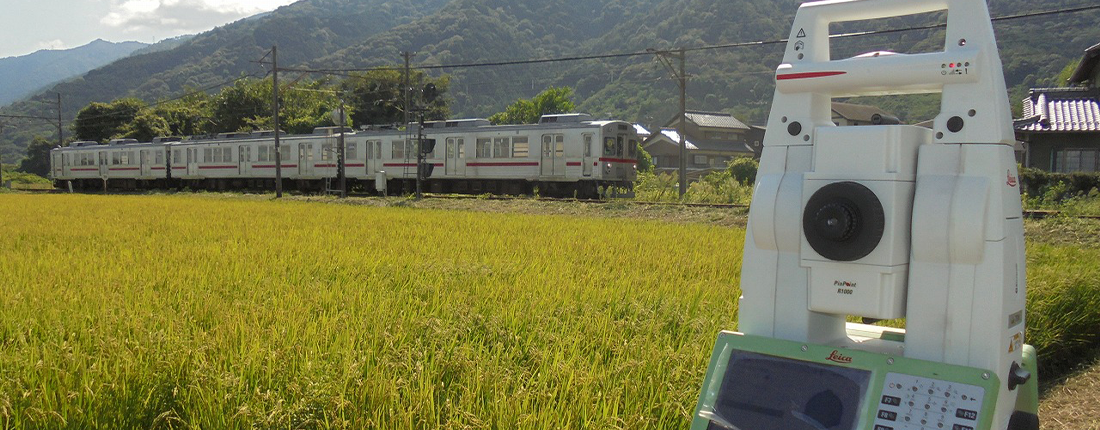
(397, 150)
(351, 151)
(461, 147)
(284, 153)
(227, 154)
(559, 145)
(450, 148)
(116, 158)
(587, 145)
(207, 154)
(261, 153)
(609, 146)
(633, 148)
(378, 149)
(326, 152)
(133, 157)
(619, 147)
(159, 157)
(502, 147)
(483, 148)
(520, 147)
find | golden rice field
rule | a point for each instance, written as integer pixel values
(200, 312)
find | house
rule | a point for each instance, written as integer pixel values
(712, 140)
(1060, 128)
(848, 114)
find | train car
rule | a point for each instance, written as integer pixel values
(562, 155)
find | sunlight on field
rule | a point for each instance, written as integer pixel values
(158, 311)
(213, 312)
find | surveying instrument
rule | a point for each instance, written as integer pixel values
(879, 223)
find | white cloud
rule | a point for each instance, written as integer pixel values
(183, 15)
(51, 44)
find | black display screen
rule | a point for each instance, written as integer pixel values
(762, 392)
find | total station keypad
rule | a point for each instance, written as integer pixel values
(915, 403)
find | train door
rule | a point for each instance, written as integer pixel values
(553, 155)
(103, 164)
(305, 159)
(456, 156)
(588, 160)
(244, 160)
(192, 161)
(146, 163)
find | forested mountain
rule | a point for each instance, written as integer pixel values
(341, 34)
(19, 76)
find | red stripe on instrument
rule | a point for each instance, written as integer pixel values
(807, 75)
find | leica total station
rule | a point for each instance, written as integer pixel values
(881, 222)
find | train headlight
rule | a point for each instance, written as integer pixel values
(607, 168)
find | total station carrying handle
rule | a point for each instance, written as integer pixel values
(968, 72)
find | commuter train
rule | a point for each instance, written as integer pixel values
(562, 155)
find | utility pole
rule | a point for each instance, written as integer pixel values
(406, 84)
(420, 156)
(60, 133)
(340, 156)
(275, 117)
(681, 77)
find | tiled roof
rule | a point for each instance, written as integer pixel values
(715, 120)
(674, 136)
(1061, 110)
(641, 130)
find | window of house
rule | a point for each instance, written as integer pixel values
(701, 160)
(520, 147)
(1077, 160)
(483, 148)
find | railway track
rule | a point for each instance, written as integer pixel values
(1030, 214)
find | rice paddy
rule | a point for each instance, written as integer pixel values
(199, 312)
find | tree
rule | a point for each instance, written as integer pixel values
(743, 170)
(375, 97)
(38, 157)
(145, 126)
(234, 106)
(552, 100)
(101, 122)
(645, 161)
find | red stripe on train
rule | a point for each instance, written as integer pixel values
(504, 164)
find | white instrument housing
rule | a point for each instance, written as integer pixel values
(950, 258)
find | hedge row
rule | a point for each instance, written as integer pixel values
(1037, 182)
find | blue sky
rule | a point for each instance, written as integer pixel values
(27, 26)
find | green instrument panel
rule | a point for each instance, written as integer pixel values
(758, 383)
